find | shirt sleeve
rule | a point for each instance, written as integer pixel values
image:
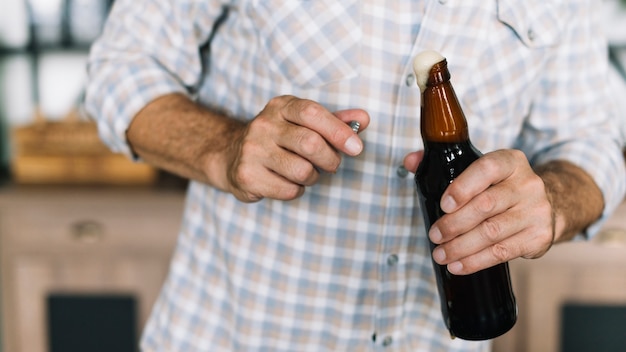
(574, 117)
(148, 48)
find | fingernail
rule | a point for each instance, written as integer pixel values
(435, 234)
(448, 204)
(353, 145)
(455, 268)
(439, 255)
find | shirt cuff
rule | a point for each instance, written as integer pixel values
(117, 92)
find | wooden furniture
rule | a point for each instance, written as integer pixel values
(584, 272)
(70, 152)
(69, 240)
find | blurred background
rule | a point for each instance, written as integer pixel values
(43, 48)
(86, 235)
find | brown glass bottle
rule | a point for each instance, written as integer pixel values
(479, 306)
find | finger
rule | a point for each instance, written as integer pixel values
(293, 167)
(482, 173)
(492, 201)
(277, 187)
(336, 132)
(359, 115)
(412, 160)
(487, 233)
(251, 177)
(309, 145)
(513, 247)
(273, 186)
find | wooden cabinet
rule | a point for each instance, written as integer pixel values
(92, 241)
(583, 272)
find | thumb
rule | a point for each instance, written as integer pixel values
(412, 160)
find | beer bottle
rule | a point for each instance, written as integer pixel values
(479, 306)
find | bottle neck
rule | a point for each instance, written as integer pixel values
(442, 119)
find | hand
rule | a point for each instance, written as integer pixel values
(282, 150)
(496, 210)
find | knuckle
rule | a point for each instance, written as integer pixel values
(340, 135)
(274, 101)
(278, 101)
(543, 245)
(303, 172)
(248, 197)
(291, 192)
(500, 252)
(490, 230)
(248, 148)
(518, 155)
(485, 203)
(310, 143)
(310, 109)
(243, 177)
(536, 182)
(488, 165)
(547, 239)
(262, 122)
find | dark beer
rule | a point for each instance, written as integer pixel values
(479, 306)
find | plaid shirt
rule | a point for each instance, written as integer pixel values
(346, 267)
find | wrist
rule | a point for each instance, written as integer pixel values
(575, 198)
(216, 166)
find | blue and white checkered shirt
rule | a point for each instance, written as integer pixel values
(346, 267)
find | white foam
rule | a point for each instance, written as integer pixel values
(422, 63)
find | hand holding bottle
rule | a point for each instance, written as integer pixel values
(496, 210)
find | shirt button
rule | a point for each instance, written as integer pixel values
(443, 2)
(392, 260)
(387, 341)
(410, 80)
(401, 171)
(531, 35)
